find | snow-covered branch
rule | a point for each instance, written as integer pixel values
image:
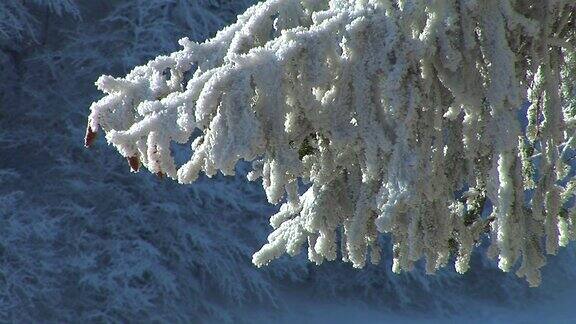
(402, 115)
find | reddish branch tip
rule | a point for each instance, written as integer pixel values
(134, 163)
(160, 175)
(90, 137)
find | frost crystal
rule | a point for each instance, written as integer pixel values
(389, 109)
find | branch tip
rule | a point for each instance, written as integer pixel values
(90, 137)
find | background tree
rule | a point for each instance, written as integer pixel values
(83, 240)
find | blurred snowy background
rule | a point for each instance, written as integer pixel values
(84, 240)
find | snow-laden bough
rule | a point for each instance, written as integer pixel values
(400, 117)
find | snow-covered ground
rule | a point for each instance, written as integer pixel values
(558, 309)
(556, 305)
